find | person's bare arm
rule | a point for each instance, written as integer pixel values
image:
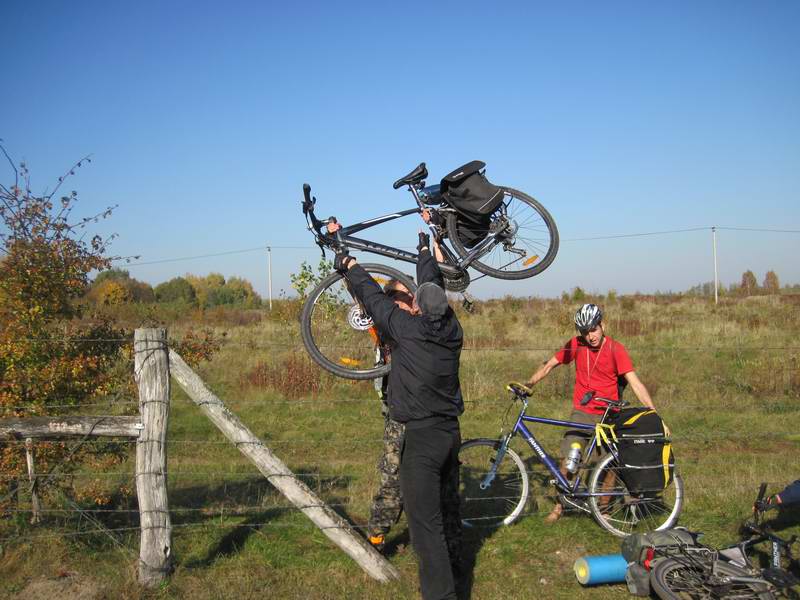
(542, 372)
(638, 388)
(642, 394)
(437, 252)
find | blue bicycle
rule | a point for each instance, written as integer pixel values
(495, 483)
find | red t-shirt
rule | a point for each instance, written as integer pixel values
(596, 369)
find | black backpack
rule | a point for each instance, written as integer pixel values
(475, 199)
(647, 462)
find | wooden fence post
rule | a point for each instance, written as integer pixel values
(35, 506)
(279, 475)
(151, 370)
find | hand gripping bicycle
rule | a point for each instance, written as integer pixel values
(517, 240)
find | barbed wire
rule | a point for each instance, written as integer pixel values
(176, 342)
(324, 439)
(246, 510)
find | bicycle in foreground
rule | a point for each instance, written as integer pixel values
(700, 572)
(512, 237)
(495, 483)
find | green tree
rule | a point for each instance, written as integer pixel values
(243, 289)
(304, 281)
(578, 295)
(176, 289)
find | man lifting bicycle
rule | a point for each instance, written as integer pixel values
(425, 395)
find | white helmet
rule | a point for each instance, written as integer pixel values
(588, 317)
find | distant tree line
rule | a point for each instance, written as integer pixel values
(116, 286)
(747, 286)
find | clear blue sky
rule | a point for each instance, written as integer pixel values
(204, 119)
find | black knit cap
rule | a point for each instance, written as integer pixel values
(431, 300)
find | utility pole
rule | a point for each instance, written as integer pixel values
(716, 276)
(269, 270)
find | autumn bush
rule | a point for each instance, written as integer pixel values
(293, 377)
(52, 355)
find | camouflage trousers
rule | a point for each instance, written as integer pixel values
(387, 504)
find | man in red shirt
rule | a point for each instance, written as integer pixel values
(599, 362)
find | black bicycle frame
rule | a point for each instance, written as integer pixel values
(453, 266)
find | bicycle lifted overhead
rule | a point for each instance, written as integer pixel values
(495, 483)
(498, 231)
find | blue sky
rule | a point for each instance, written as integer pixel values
(204, 120)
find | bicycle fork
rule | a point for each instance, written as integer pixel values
(498, 458)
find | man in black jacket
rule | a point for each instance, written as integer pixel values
(425, 395)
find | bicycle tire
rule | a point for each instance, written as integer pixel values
(638, 514)
(504, 500)
(323, 338)
(673, 579)
(548, 246)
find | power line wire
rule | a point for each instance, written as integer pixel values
(760, 229)
(582, 239)
(631, 235)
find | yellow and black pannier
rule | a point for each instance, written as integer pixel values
(646, 459)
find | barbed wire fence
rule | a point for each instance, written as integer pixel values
(230, 504)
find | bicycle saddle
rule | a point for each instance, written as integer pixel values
(417, 175)
(609, 401)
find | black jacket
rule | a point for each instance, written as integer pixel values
(423, 384)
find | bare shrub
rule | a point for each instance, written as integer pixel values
(628, 327)
(294, 377)
(628, 303)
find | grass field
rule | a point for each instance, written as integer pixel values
(725, 378)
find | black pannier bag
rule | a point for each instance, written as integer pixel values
(645, 453)
(475, 199)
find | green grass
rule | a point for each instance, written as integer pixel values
(720, 375)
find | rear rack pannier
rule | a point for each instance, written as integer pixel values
(469, 192)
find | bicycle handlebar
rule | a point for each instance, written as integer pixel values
(520, 390)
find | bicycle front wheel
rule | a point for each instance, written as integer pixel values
(525, 246)
(673, 579)
(338, 334)
(501, 501)
(622, 512)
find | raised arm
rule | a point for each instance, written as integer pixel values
(384, 312)
(427, 267)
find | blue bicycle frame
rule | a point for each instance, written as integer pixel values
(561, 482)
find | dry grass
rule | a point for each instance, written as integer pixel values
(725, 378)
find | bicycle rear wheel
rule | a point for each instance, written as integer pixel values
(622, 512)
(502, 501)
(526, 244)
(673, 579)
(338, 334)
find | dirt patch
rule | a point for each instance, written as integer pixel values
(69, 587)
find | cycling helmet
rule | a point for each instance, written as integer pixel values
(588, 317)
